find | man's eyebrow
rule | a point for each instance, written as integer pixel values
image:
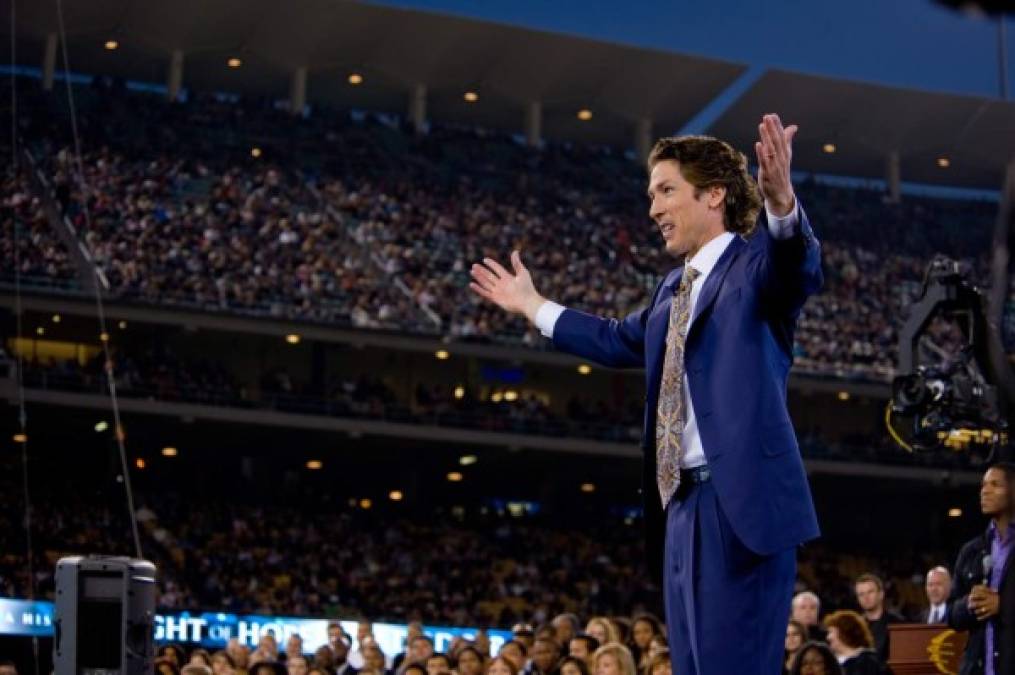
(652, 189)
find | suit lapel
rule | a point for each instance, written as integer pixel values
(710, 290)
(655, 330)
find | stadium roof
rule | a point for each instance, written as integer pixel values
(394, 49)
(865, 122)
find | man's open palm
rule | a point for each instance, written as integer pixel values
(512, 292)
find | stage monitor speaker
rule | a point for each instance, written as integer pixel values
(105, 616)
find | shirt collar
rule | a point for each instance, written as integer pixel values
(995, 534)
(706, 258)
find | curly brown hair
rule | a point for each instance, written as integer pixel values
(706, 161)
(852, 628)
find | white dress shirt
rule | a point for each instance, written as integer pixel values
(936, 613)
(703, 261)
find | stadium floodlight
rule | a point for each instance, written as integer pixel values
(584, 114)
(471, 97)
(395, 495)
(944, 162)
(442, 354)
(355, 78)
(455, 477)
(954, 512)
(588, 487)
(56, 318)
(123, 325)
(234, 62)
(468, 460)
(293, 338)
(315, 464)
(101, 426)
(584, 369)
(829, 148)
(255, 152)
(20, 438)
(170, 451)
(40, 331)
(111, 45)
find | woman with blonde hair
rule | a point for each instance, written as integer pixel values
(603, 629)
(613, 659)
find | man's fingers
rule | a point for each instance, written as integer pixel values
(763, 159)
(497, 268)
(778, 138)
(484, 276)
(480, 291)
(516, 262)
(790, 133)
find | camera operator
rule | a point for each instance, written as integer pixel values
(983, 599)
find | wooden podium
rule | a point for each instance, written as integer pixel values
(921, 649)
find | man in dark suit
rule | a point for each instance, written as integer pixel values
(725, 493)
(938, 587)
(983, 600)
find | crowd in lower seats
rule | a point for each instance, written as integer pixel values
(347, 218)
(300, 551)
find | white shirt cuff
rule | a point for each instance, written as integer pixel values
(784, 227)
(546, 317)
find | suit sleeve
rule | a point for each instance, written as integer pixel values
(787, 271)
(959, 616)
(614, 343)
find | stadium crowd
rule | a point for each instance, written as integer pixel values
(263, 553)
(375, 227)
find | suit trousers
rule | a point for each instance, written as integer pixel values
(726, 606)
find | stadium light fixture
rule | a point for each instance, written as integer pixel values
(471, 97)
(510, 395)
(459, 392)
(139, 463)
(255, 152)
(315, 464)
(584, 114)
(170, 451)
(843, 395)
(468, 460)
(954, 512)
(293, 338)
(112, 45)
(365, 503)
(355, 79)
(234, 62)
(40, 331)
(496, 397)
(584, 369)
(455, 477)
(829, 148)
(122, 325)
(588, 487)
(56, 318)
(20, 438)
(103, 337)
(442, 354)
(944, 162)
(101, 426)
(395, 495)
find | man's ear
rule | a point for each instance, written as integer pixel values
(716, 195)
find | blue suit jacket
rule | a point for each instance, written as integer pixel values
(737, 355)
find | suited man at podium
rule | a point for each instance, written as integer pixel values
(938, 587)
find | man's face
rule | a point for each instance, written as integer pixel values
(544, 656)
(994, 496)
(363, 630)
(686, 221)
(294, 645)
(8, 670)
(436, 665)
(579, 649)
(564, 630)
(805, 610)
(421, 650)
(869, 596)
(938, 587)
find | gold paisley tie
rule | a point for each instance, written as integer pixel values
(671, 411)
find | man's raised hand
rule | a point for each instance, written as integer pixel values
(512, 292)
(775, 154)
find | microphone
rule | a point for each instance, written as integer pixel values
(988, 564)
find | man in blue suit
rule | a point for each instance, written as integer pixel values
(726, 496)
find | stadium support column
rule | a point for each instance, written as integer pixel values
(174, 79)
(893, 177)
(298, 91)
(534, 124)
(642, 139)
(417, 108)
(49, 62)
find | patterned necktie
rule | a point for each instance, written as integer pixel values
(670, 413)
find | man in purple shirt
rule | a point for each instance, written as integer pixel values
(983, 600)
